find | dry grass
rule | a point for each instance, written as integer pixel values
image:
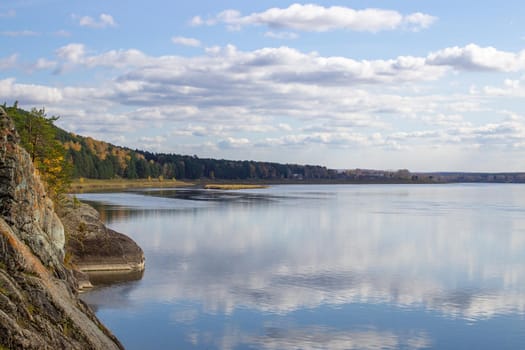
(232, 186)
(90, 185)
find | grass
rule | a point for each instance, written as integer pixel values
(91, 185)
(232, 186)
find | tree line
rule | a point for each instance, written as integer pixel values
(60, 156)
(60, 153)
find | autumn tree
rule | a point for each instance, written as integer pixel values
(38, 136)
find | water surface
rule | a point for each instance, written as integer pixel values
(321, 267)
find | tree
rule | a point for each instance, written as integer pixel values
(38, 136)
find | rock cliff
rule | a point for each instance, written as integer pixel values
(39, 305)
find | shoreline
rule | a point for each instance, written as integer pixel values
(96, 185)
(93, 185)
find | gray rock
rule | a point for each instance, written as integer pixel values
(92, 247)
(39, 304)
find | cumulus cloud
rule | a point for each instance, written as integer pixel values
(509, 88)
(76, 54)
(30, 94)
(180, 40)
(104, 20)
(233, 100)
(473, 57)
(418, 20)
(73, 53)
(316, 18)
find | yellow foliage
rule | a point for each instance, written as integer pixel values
(76, 146)
(99, 148)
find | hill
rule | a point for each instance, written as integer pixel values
(94, 159)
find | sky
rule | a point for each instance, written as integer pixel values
(427, 85)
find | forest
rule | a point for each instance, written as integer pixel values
(61, 155)
(94, 159)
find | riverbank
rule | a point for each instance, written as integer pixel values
(233, 186)
(93, 185)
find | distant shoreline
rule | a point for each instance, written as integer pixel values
(92, 185)
(96, 185)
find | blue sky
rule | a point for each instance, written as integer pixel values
(424, 85)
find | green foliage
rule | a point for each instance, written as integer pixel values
(94, 159)
(38, 136)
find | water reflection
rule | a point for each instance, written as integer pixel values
(317, 254)
(105, 278)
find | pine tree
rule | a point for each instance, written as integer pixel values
(38, 136)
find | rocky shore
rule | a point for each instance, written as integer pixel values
(92, 248)
(39, 303)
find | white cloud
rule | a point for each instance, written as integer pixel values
(186, 41)
(9, 62)
(76, 54)
(281, 35)
(338, 139)
(29, 94)
(316, 18)
(154, 143)
(157, 139)
(224, 130)
(505, 134)
(117, 59)
(20, 33)
(72, 53)
(62, 33)
(43, 63)
(104, 20)
(418, 20)
(474, 57)
(231, 142)
(510, 88)
(252, 98)
(196, 21)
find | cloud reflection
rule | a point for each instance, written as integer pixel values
(279, 258)
(457, 251)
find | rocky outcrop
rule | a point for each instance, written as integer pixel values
(39, 305)
(92, 247)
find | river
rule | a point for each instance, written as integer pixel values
(320, 267)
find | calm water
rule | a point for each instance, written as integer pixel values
(321, 267)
